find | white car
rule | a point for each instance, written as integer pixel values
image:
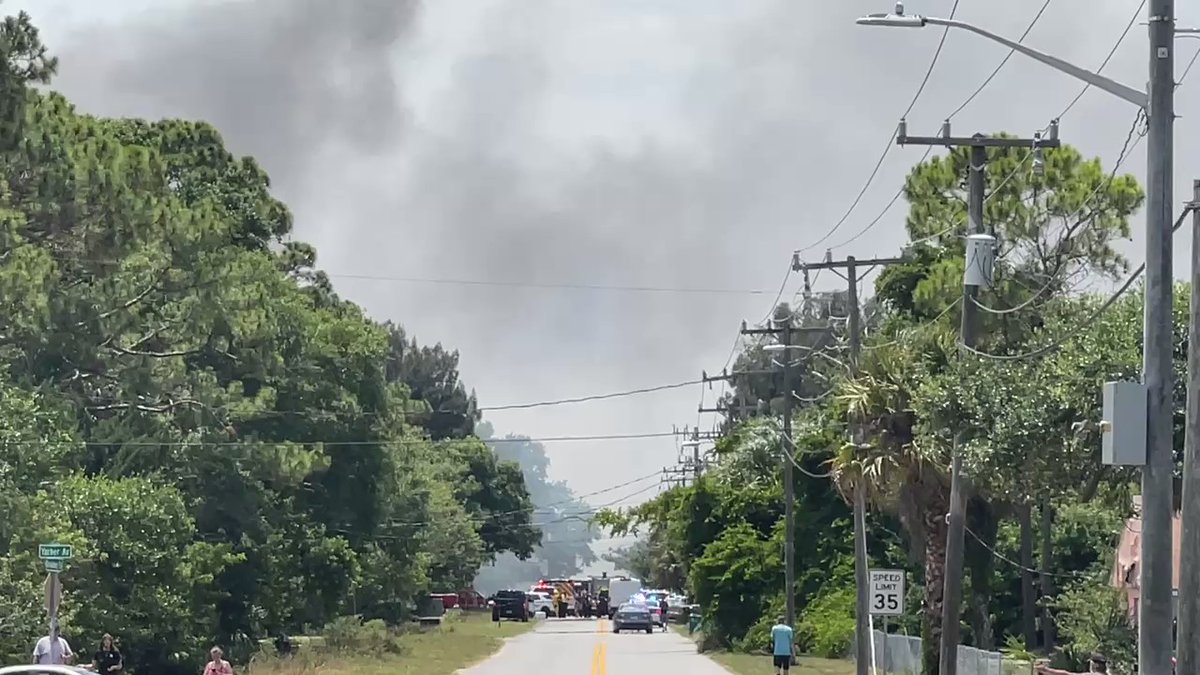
(541, 603)
(33, 669)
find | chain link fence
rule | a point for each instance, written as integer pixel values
(901, 654)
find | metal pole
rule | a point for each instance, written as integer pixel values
(1155, 620)
(952, 587)
(52, 600)
(789, 487)
(1187, 646)
(886, 639)
(862, 608)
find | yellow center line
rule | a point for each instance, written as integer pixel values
(600, 653)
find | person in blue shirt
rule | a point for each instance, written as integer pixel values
(783, 640)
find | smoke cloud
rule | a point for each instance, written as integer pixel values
(688, 143)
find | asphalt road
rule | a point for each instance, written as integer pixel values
(588, 647)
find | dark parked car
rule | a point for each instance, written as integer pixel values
(510, 605)
(632, 617)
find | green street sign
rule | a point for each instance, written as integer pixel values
(54, 552)
(55, 564)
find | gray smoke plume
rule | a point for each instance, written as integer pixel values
(279, 78)
(690, 143)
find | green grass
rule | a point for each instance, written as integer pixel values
(460, 642)
(760, 664)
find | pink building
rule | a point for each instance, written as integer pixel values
(1125, 568)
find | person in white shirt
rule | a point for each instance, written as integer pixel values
(42, 656)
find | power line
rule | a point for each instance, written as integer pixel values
(391, 443)
(551, 285)
(483, 518)
(888, 147)
(492, 282)
(594, 397)
(1028, 29)
(962, 106)
(1086, 323)
(1104, 64)
(1129, 145)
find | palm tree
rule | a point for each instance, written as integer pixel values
(901, 471)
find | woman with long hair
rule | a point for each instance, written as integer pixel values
(107, 659)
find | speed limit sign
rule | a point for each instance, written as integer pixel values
(886, 588)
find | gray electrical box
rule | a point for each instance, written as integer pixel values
(1123, 426)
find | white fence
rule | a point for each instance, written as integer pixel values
(901, 654)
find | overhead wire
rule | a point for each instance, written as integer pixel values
(1130, 144)
(551, 285)
(1104, 64)
(593, 397)
(962, 106)
(1037, 17)
(483, 518)
(1019, 566)
(1078, 329)
(383, 442)
(978, 90)
(891, 139)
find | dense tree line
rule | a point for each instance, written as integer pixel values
(234, 450)
(1044, 515)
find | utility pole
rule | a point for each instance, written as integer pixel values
(785, 333)
(978, 272)
(1188, 650)
(1156, 609)
(862, 609)
(789, 487)
(731, 411)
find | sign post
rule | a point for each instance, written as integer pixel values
(886, 593)
(54, 557)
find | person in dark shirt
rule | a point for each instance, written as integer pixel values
(662, 611)
(107, 660)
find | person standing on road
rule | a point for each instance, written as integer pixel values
(663, 605)
(107, 660)
(783, 640)
(42, 653)
(1096, 664)
(216, 664)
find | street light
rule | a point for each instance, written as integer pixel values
(901, 20)
(1158, 103)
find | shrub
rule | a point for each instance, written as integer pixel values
(827, 624)
(349, 633)
(1092, 616)
(758, 638)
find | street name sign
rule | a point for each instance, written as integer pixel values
(886, 589)
(55, 564)
(54, 551)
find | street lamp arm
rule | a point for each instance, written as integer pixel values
(1134, 96)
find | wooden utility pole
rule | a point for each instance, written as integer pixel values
(978, 272)
(1189, 543)
(785, 332)
(854, 324)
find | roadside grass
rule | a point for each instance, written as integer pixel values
(760, 664)
(461, 641)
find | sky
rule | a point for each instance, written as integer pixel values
(667, 144)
